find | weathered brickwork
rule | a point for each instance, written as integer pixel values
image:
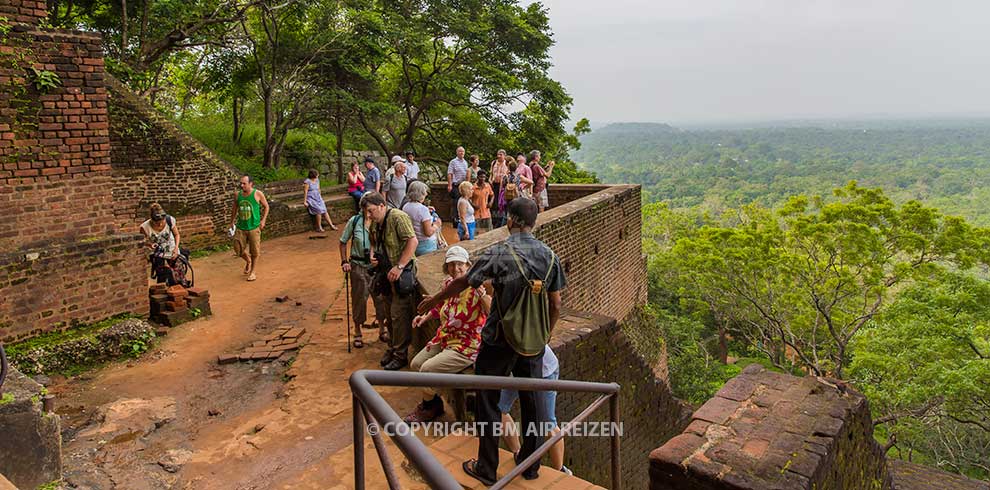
(62, 262)
(770, 430)
(911, 476)
(594, 348)
(24, 11)
(597, 238)
(53, 142)
(70, 283)
(155, 161)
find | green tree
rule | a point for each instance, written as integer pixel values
(801, 283)
(924, 364)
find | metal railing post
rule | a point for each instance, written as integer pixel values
(613, 409)
(358, 443)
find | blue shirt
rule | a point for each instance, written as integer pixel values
(360, 240)
(374, 177)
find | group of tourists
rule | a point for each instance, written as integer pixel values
(495, 312)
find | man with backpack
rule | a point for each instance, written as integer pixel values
(394, 241)
(355, 260)
(527, 278)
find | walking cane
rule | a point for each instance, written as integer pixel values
(347, 298)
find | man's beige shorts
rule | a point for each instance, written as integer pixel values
(247, 240)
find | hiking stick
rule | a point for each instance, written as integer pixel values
(347, 299)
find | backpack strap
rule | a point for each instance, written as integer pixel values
(170, 221)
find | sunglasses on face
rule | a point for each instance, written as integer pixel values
(158, 217)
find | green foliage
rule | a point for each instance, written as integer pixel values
(924, 364)
(79, 349)
(6, 398)
(5, 27)
(945, 165)
(247, 154)
(44, 80)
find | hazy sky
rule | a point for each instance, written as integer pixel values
(722, 60)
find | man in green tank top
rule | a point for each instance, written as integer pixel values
(249, 215)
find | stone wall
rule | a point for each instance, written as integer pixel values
(598, 240)
(62, 261)
(154, 160)
(770, 430)
(594, 348)
(31, 446)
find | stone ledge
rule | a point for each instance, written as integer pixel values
(770, 430)
(31, 446)
(911, 476)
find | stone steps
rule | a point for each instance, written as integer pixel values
(453, 450)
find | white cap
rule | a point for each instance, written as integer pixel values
(397, 158)
(456, 254)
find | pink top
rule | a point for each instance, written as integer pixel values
(525, 171)
(356, 186)
(499, 171)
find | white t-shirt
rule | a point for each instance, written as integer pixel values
(468, 210)
(164, 239)
(419, 213)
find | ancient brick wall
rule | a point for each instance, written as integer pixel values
(770, 430)
(594, 348)
(62, 261)
(597, 238)
(154, 160)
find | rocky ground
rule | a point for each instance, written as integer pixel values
(177, 419)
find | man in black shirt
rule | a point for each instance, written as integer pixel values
(496, 357)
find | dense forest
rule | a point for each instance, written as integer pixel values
(944, 164)
(763, 247)
(280, 86)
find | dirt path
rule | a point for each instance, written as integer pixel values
(175, 419)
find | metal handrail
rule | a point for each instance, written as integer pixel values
(369, 405)
(3, 367)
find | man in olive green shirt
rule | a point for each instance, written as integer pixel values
(394, 232)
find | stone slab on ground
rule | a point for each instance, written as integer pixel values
(30, 440)
(273, 346)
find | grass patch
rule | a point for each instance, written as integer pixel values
(206, 252)
(6, 398)
(54, 338)
(304, 149)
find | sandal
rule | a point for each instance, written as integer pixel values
(470, 467)
(252, 277)
(383, 337)
(358, 343)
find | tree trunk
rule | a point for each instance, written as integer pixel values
(236, 136)
(269, 142)
(123, 29)
(340, 153)
(723, 344)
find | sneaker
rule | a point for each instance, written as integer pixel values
(565, 470)
(396, 364)
(426, 411)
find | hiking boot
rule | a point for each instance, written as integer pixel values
(396, 364)
(426, 411)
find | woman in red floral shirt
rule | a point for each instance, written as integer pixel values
(458, 339)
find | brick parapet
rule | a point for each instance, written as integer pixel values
(597, 239)
(30, 12)
(770, 430)
(593, 347)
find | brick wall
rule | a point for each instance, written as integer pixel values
(597, 238)
(24, 11)
(153, 160)
(62, 262)
(770, 430)
(594, 348)
(59, 286)
(53, 144)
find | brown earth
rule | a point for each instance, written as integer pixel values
(177, 419)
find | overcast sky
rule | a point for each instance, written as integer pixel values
(683, 61)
